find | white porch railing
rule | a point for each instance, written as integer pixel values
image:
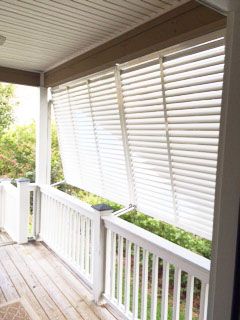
(139, 274)
(9, 206)
(15, 209)
(138, 266)
(71, 228)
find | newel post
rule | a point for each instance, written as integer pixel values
(23, 208)
(99, 251)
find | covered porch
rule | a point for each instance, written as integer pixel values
(119, 85)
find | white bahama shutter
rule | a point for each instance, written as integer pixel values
(106, 121)
(90, 137)
(66, 135)
(148, 146)
(146, 132)
(193, 83)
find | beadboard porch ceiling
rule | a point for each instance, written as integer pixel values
(43, 34)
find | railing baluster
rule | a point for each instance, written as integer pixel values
(136, 281)
(144, 285)
(78, 239)
(189, 297)
(108, 263)
(203, 301)
(176, 293)
(69, 236)
(65, 229)
(165, 287)
(87, 240)
(82, 243)
(154, 287)
(127, 276)
(91, 255)
(68, 226)
(74, 236)
(120, 269)
(56, 222)
(113, 266)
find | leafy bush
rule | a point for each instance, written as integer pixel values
(6, 106)
(17, 153)
(162, 229)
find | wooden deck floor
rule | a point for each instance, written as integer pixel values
(54, 292)
(4, 238)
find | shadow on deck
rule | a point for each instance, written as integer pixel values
(33, 272)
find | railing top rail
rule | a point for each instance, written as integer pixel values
(186, 260)
(69, 201)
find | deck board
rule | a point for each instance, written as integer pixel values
(53, 290)
(4, 238)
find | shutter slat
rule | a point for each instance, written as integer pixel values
(148, 132)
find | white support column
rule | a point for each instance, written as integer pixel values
(99, 258)
(227, 201)
(23, 209)
(43, 138)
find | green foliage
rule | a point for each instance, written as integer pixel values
(171, 233)
(164, 230)
(56, 164)
(17, 152)
(6, 106)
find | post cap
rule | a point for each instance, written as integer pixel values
(103, 209)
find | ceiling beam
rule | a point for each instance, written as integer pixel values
(184, 23)
(19, 77)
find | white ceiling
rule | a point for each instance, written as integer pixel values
(43, 33)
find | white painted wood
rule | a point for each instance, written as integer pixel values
(10, 209)
(226, 221)
(144, 299)
(166, 250)
(154, 293)
(23, 210)
(147, 244)
(72, 229)
(42, 35)
(165, 115)
(165, 290)
(120, 271)
(135, 281)
(176, 294)
(43, 138)
(189, 298)
(149, 133)
(108, 264)
(113, 267)
(127, 276)
(100, 254)
(120, 98)
(204, 301)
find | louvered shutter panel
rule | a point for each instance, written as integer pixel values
(146, 131)
(193, 87)
(86, 146)
(90, 136)
(106, 119)
(66, 135)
